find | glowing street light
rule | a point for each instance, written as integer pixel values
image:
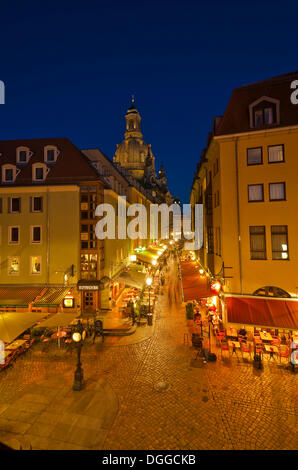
(78, 337)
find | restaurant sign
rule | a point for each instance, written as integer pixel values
(90, 287)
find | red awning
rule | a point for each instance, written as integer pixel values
(263, 312)
(195, 287)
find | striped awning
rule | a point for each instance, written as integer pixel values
(18, 296)
(52, 297)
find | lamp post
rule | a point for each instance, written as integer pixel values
(78, 336)
(149, 282)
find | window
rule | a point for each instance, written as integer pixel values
(264, 116)
(254, 156)
(279, 242)
(13, 235)
(14, 204)
(277, 191)
(210, 240)
(216, 167)
(217, 241)
(35, 264)
(208, 202)
(255, 193)
(36, 204)
(9, 173)
(88, 266)
(264, 112)
(39, 171)
(276, 154)
(13, 265)
(257, 242)
(51, 154)
(36, 234)
(23, 154)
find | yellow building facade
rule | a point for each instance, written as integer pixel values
(246, 180)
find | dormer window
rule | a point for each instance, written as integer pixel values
(23, 154)
(9, 173)
(51, 154)
(264, 112)
(39, 172)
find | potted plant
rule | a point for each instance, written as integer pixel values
(189, 313)
(258, 361)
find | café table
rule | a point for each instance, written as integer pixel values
(271, 350)
(265, 336)
(234, 344)
(232, 333)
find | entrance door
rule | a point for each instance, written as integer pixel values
(89, 301)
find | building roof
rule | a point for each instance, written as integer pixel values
(236, 116)
(71, 166)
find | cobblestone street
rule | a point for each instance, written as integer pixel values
(151, 394)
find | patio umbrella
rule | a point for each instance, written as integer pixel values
(57, 321)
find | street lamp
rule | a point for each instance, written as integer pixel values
(149, 282)
(78, 337)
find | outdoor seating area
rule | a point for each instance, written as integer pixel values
(14, 350)
(268, 344)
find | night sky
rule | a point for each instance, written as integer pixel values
(70, 69)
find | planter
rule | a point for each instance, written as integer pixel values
(258, 361)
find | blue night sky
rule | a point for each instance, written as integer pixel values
(70, 69)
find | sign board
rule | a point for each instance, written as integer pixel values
(88, 287)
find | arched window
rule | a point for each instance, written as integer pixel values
(131, 124)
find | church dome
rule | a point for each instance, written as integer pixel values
(132, 151)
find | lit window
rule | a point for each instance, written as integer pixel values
(276, 154)
(13, 265)
(255, 193)
(35, 263)
(279, 242)
(277, 191)
(68, 302)
(254, 156)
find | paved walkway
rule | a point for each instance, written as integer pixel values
(151, 394)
